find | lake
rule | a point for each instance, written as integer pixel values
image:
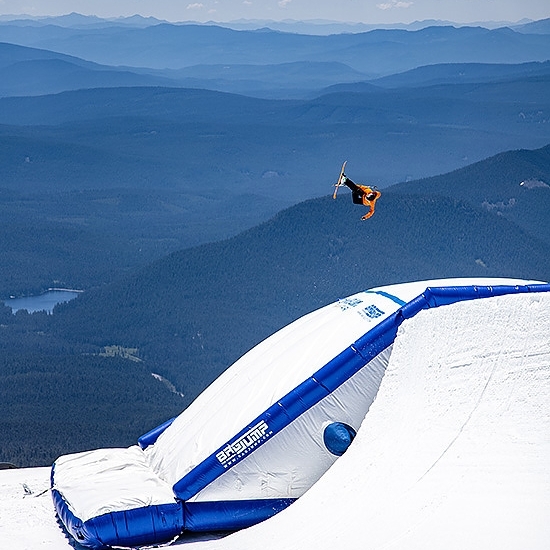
(44, 302)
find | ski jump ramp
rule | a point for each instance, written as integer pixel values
(263, 433)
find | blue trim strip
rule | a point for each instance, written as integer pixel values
(387, 295)
(139, 526)
(329, 378)
(151, 436)
(231, 515)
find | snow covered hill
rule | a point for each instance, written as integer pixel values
(453, 453)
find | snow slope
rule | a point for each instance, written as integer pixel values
(453, 453)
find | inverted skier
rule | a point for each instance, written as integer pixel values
(360, 194)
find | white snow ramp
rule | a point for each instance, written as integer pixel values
(455, 451)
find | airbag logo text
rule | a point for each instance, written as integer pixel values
(232, 452)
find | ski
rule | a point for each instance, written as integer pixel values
(336, 185)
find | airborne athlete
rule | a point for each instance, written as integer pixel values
(360, 194)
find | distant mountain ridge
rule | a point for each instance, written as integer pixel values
(26, 71)
(162, 135)
(536, 27)
(78, 20)
(311, 26)
(463, 73)
(31, 72)
(261, 62)
(377, 52)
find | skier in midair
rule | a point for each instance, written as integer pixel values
(360, 194)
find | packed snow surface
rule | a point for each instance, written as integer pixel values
(453, 453)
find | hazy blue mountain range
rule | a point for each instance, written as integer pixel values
(313, 26)
(190, 314)
(534, 27)
(167, 137)
(77, 21)
(28, 71)
(377, 52)
(296, 79)
(261, 62)
(325, 27)
(461, 73)
(149, 170)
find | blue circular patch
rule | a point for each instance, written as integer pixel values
(338, 437)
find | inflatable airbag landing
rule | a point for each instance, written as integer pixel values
(262, 434)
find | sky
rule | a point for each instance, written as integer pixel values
(360, 11)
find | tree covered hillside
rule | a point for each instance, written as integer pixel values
(199, 309)
(187, 316)
(190, 315)
(515, 185)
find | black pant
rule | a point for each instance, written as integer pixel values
(357, 193)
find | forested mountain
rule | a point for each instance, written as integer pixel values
(129, 171)
(514, 185)
(56, 403)
(190, 314)
(221, 298)
(460, 73)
